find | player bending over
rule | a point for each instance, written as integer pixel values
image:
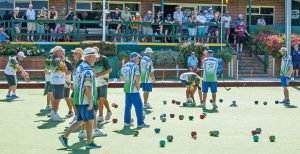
(192, 82)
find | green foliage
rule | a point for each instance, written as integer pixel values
(168, 57)
(225, 54)
(106, 48)
(123, 54)
(12, 49)
(187, 48)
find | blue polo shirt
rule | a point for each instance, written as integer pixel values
(2, 37)
(296, 56)
(192, 62)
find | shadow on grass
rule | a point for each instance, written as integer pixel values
(5, 100)
(297, 88)
(125, 131)
(210, 110)
(47, 124)
(290, 106)
(42, 113)
(190, 106)
(77, 130)
(76, 148)
(147, 111)
(101, 125)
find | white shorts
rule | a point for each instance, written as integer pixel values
(69, 28)
(31, 26)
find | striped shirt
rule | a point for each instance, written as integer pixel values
(210, 67)
(190, 78)
(146, 69)
(286, 63)
(129, 72)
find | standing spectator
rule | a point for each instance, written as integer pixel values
(3, 36)
(158, 28)
(30, 14)
(6, 16)
(52, 15)
(130, 73)
(209, 16)
(237, 21)
(240, 30)
(214, 28)
(178, 16)
(184, 27)
(201, 28)
(70, 16)
(193, 63)
(135, 29)
(126, 16)
(147, 29)
(296, 60)
(226, 20)
(192, 28)
(17, 16)
(42, 15)
(168, 28)
(261, 21)
(116, 16)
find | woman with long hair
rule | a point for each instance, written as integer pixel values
(18, 25)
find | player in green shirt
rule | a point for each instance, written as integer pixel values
(192, 82)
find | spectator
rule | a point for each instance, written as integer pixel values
(158, 28)
(240, 30)
(3, 36)
(237, 21)
(42, 15)
(192, 28)
(209, 16)
(116, 16)
(261, 21)
(135, 29)
(30, 14)
(204, 55)
(201, 28)
(193, 63)
(52, 15)
(178, 16)
(17, 16)
(214, 28)
(126, 16)
(69, 27)
(168, 28)
(147, 29)
(184, 27)
(296, 60)
(7, 16)
(226, 20)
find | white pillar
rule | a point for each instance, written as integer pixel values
(288, 24)
(103, 20)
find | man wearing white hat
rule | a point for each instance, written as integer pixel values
(13, 65)
(286, 71)
(147, 76)
(85, 97)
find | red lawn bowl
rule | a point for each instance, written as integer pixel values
(193, 134)
(172, 115)
(202, 116)
(254, 132)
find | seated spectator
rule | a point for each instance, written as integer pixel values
(296, 60)
(240, 30)
(168, 28)
(201, 28)
(214, 29)
(3, 36)
(135, 29)
(226, 20)
(147, 27)
(40, 29)
(184, 27)
(192, 28)
(261, 21)
(193, 63)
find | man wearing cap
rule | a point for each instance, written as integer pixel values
(131, 75)
(69, 25)
(226, 20)
(58, 75)
(13, 65)
(286, 71)
(193, 63)
(210, 67)
(85, 97)
(192, 82)
(48, 89)
(147, 76)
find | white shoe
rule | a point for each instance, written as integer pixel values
(147, 106)
(215, 105)
(100, 119)
(128, 125)
(74, 120)
(98, 133)
(82, 134)
(108, 115)
(48, 107)
(55, 117)
(144, 126)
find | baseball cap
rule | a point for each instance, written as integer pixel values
(90, 52)
(21, 54)
(78, 50)
(210, 51)
(283, 49)
(193, 53)
(134, 55)
(148, 50)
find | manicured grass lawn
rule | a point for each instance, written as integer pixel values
(26, 129)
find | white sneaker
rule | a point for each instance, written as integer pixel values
(48, 107)
(55, 117)
(108, 115)
(147, 106)
(215, 105)
(100, 119)
(74, 120)
(98, 133)
(128, 125)
(82, 134)
(144, 126)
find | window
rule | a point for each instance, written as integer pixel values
(37, 4)
(262, 11)
(6, 6)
